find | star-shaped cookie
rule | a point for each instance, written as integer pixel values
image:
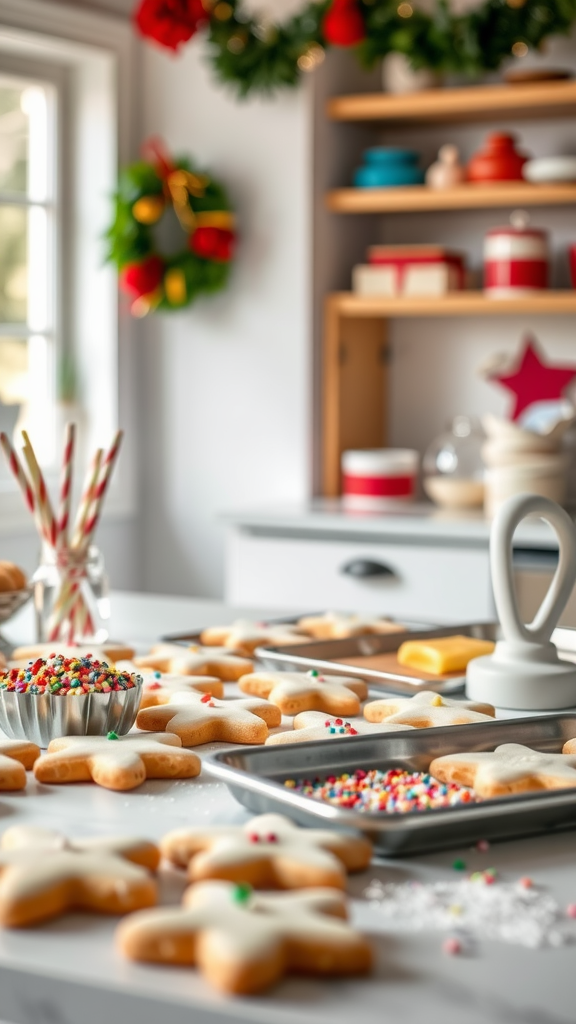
(44, 875)
(16, 758)
(116, 762)
(511, 768)
(337, 625)
(200, 719)
(243, 636)
(294, 692)
(268, 852)
(313, 725)
(427, 709)
(159, 687)
(244, 942)
(195, 661)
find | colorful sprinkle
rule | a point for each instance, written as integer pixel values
(525, 882)
(64, 677)
(393, 792)
(452, 946)
(112, 736)
(571, 910)
(242, 892)
(459, 864)
(482, 846)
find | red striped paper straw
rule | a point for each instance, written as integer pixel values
(66, 484)
(101, 488)
(87, 496)
(17, 471)
(41, 491)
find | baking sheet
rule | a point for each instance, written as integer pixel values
(255, 777)
(193, 636)
(356, 656)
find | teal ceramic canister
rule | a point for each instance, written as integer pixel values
(386, 166)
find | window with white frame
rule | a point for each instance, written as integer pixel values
(28, 258)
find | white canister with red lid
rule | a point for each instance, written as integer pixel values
(375, 478)
(515, 259)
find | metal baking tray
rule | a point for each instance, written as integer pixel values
(255, 777)
(193, 636)
(325, 656)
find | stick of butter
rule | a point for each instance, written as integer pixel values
(446, 654)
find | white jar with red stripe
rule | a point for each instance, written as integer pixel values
(515, 259)
(376, 478)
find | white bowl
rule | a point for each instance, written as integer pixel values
(550, 169)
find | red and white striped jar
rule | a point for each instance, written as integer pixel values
(515, 261)
(375, 478)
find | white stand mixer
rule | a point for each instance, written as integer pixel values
(525, 673)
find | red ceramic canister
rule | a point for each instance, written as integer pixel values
(515, 261)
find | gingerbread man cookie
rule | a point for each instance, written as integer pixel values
(244, 942)
(269, 852)
(243, 637)
(427, 709)
(294, 692)
(196, 661)
(43, 875)
(511, 768)
(200, 719)
(159, 687)
(16, 758)
(313, 725)
(109, 651)
(116, 762)
(337, 626)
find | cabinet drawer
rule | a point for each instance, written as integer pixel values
(438, 584)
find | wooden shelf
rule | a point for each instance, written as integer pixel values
(467, 303)
(402, 199)
(473, 103)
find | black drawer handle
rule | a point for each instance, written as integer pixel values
(362, 568)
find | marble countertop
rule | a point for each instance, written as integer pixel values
(67, 972)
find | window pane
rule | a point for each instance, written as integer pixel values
(13, 264)
(23, 138)
(27, 391)
(14, 382)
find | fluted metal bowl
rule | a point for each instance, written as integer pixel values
(41, 717)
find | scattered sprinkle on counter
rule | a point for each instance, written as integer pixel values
(392, 792)
(67, 677)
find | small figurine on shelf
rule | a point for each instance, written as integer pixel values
(498, 161)
(447, 171)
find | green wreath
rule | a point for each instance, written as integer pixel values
(147, 189)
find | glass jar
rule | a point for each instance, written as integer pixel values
(453, 468)
(71, 597)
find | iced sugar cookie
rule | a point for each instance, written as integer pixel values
(159, 687)
(337, 626)
(427, 709)
(44, 875)
(268, 852)
(244, 942)
(200, 719)
(294, 692)
(16, 758)
(243, 637)
(313, 725)
(116, 762)
(195, 661)
(511, 768)
(443, 655)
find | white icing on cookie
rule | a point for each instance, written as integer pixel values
(509, 765)
(268, 837)
(339, 625)
(124, 755)
(244, 635)
(427, 709)
(313, 725)
(189, 715)
(326, 693)
(195, 660)
(158, 687)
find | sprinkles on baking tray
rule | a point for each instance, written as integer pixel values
(392, 792)
(67, 677)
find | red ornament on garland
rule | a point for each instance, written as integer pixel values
(533, 380)
(343, 23)
(213, 243)
(170, 22)
(143, 278)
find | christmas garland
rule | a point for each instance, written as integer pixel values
(147, 190)
(259, 56)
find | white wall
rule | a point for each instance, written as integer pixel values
(225, 387)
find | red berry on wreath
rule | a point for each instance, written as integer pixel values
(343, 23)
(213, 243)
(170, 22)
(143, 278)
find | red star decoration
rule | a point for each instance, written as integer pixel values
(534, 380)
